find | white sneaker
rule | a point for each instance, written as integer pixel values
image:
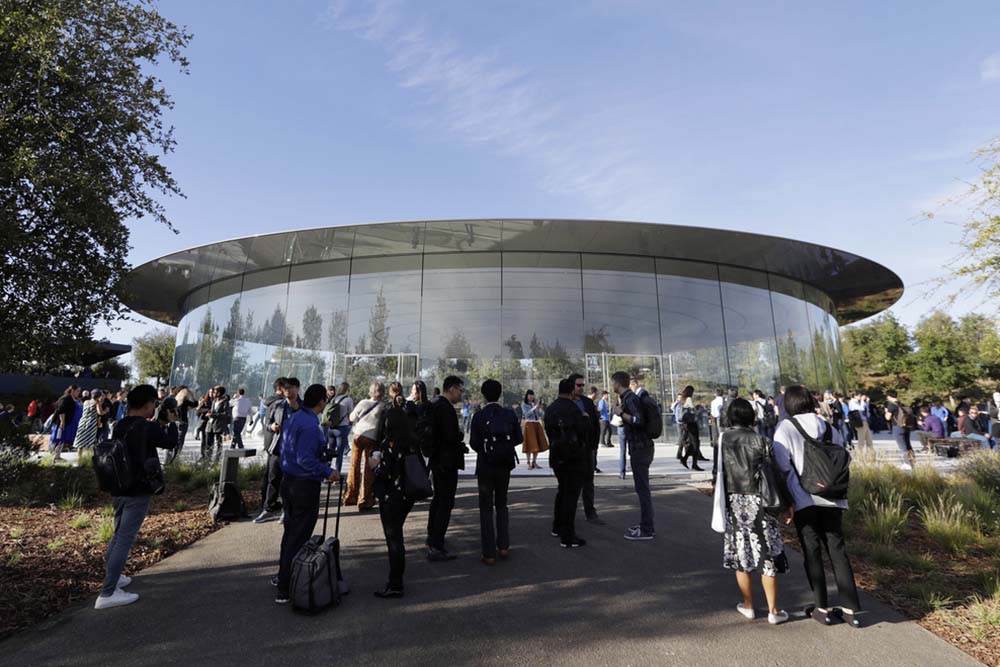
(906, 466)
(117, 599)
(749, 613)
(124, 581)
(777, 619)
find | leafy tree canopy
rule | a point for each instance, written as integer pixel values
(81, 142)
(153, 353)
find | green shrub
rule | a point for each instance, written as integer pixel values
(180, 506)
(105, 530)
(17, 532)
(249, 474)
(192, 476)
(108, 511)
(923, 487)
(884, 520)
(949, 524)
(888, 556)
(80, 521)
(38, 484)
(72, 499)
(983, 468)
(983, 504)
(56, 544)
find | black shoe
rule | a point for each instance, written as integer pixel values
(597, 470)
(695, 466)
(389, 592)
(439, 555)
(554, 533)
(595, 520)
(684, 462)
(702, 458)
(821, 616)
(575, 543)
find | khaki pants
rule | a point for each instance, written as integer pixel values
(361, 478)
(865, 437)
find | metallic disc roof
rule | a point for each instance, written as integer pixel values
(858, 287)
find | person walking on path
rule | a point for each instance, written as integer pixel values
(640, 447)
(341, 433)
(142, 438)
(903, 422)
(818, 521)
(220, 419)
(241, 412)
(447, 457)
(589, 411)
(280, 408)
(67, 416)
(398, 441)
(494, 435)
(569, 459)
(365, 418)
(752, 536)
(604, 411)
(303, 473)
(689, 426)
(534, 436)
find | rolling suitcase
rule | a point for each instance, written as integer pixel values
(317, 581)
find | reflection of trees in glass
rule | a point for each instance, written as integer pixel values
(458, 347)
(337, 331)
(789, 359)
(376, 341)
(204, 373)
(272, 332)
(596, 340)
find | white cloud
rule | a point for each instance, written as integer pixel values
(482, 99)
(989, 69)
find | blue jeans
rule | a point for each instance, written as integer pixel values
(902, 436)
(130, 512)
(973, 436)
(622, 447)
(342, 435)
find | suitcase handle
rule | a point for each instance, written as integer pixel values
(326, 513)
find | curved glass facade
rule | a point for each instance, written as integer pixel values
(527, 317)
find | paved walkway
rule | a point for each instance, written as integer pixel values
(611, 603)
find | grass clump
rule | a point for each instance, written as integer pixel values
(17, 532)
(949, 524)
(983, 468)
(72, 499)
(108, 511)
(181, 506)
(982, 503)
(192, 476)
(14, 559)
(884, 520)
(105, 531)
(56, 544)
(80, 521)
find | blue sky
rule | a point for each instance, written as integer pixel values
(834, 123)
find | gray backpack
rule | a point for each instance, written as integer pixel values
(317, 582)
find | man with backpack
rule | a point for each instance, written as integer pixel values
(639, 419)
(569, 457)
(133, 445)
(303, 472)
(339, 406)
(446, 451)
(494, 434)
(589, 411)
(277, 408)
(903, 421)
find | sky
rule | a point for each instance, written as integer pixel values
(834, 123)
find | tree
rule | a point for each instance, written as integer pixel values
(945, 360)
(81, 142)
(113, 369)
(878, 351)
(378, 327)
(978, 260)
(153, 353)
(312, 330)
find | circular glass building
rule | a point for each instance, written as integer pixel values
(523, 301)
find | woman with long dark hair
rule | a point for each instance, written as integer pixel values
(534, 435)
(689, 426)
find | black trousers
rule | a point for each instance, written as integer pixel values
(605, 438)
(300, 498)
(238, 425)
(692, 441)
(445, 480)
(393, 511)
(588, 488)
(182, 429)
(493, 484)
(270, 488)
(570, 477)
(820, 527)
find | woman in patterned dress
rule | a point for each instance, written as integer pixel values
(752, 536)
(86, 430)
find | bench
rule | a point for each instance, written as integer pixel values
(952, 447)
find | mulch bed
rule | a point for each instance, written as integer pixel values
(46, 565)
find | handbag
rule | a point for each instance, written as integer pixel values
(416, 479)
(688, 416)
(766, 482)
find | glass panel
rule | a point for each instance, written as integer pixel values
(186, 350)
(460, 320)
(462, 235)
(261, 340)
(753, 356)
(316, 325)
(395, 238)
(542, 322)
(620, 309)
(794, 335)
(817, 307)
(694, 343)
(312, 245)
(384, 305)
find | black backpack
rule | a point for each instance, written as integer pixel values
(652, 418)
(113, 464)
(226, 502)
(423, 429)
(499, 448)
(826, 467)
(724, 412)
(770, 415)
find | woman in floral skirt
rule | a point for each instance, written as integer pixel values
(752, 536)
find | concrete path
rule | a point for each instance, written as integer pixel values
(612, 602)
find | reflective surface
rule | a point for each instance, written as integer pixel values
(526, 317)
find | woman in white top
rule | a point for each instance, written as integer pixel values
(365, 419)
(817, 519)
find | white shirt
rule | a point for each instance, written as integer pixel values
(715, 407)
(758, 408)
(242, 407)
(789, 452)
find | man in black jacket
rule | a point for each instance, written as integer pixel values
(278, 408)
(142, 438)
(589, 410)
(640, 449)
(494, 434)
(446, 459)
(569, 457)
